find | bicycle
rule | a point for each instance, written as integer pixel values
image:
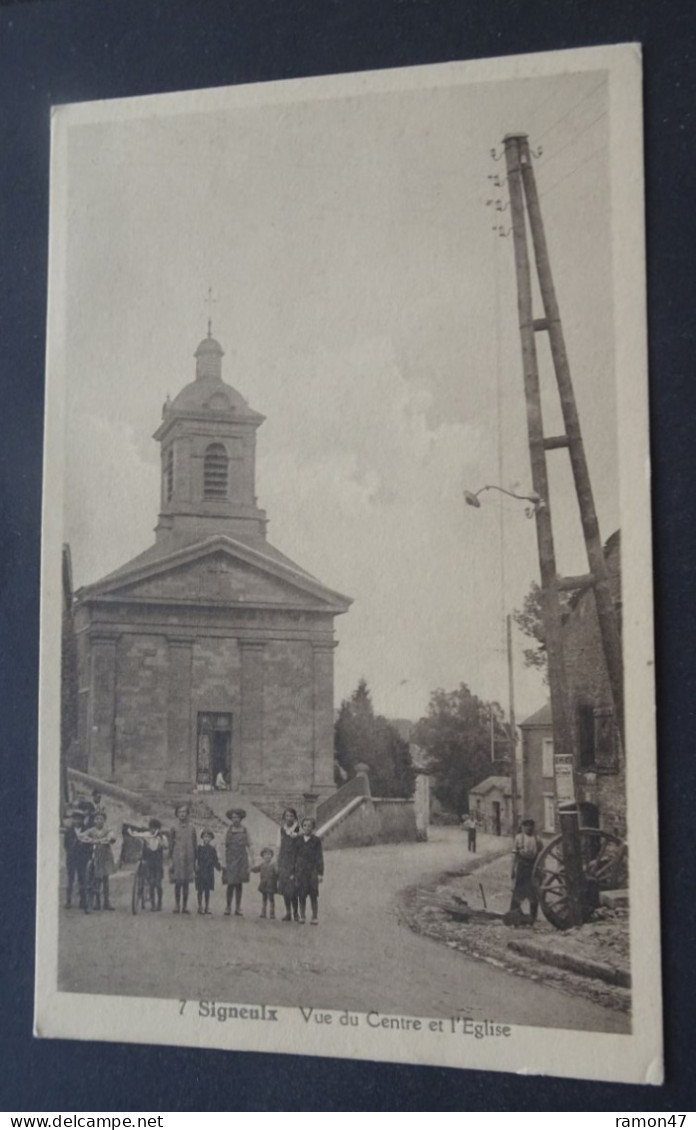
(142, 895)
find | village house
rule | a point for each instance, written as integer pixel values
(490, 802)
(209, 657)
(600, 770)
(538, 790)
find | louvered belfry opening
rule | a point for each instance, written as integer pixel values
(215, 472)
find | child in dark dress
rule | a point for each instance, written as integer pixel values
(268, 882)
(289, 831)
(207, 863)
(309, 868)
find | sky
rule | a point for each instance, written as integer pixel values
(368, 309)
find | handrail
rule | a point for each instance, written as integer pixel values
(340, 816)
(359, 785)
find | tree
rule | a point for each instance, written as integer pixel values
(456, 734)
(530, 620)
(362, 736)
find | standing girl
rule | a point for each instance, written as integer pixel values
(289, 831)
(182, 857)
(238, 859)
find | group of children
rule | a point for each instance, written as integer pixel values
(295, 874)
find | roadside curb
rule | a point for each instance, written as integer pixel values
(611, 974)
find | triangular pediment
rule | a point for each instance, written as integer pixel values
(218, 570)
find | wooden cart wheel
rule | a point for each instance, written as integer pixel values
(604, 865)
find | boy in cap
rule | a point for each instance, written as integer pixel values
(309, 868)
(526, 849)
(76, 857)
(207, 863)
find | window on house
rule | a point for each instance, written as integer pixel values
(215, 466)
(169, 475)
(549, 813)
(586, 736)
(547, 757)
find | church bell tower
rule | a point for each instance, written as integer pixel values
(208, 458)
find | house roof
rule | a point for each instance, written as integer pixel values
(502, 783)
(539, 718)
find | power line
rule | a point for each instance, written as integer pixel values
(570, 111)
(573, 170)
(573, 139)
(544, 102)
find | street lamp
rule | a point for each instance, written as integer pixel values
(537, 503)
(567, 808)
(472, 498)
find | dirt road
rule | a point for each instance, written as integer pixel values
(361, 956)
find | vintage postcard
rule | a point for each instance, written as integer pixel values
(347, 735)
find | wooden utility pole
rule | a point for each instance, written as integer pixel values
(551, 606)
(513, 729)
(598, 576)
(564, 738)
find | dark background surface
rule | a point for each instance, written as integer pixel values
(72, 50)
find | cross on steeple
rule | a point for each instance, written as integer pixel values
(209, 302)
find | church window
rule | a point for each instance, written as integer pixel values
(169, 475)
(215, 472)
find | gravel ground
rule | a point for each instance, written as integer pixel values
(424, 907)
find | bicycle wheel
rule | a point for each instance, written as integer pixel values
(137, 893)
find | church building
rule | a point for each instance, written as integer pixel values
(211, 652)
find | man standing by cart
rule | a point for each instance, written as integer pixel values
(526, 849)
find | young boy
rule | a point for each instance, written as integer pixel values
(207, 863)
(76, 857)
(309, 868)
(268, 882)
(100, 838)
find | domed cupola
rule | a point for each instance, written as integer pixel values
(209, 357)
(208, 452)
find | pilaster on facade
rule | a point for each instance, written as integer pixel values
(323, 715)
(101, 723)
(252, 680)
(179, 737)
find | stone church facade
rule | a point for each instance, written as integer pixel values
(211, 652)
